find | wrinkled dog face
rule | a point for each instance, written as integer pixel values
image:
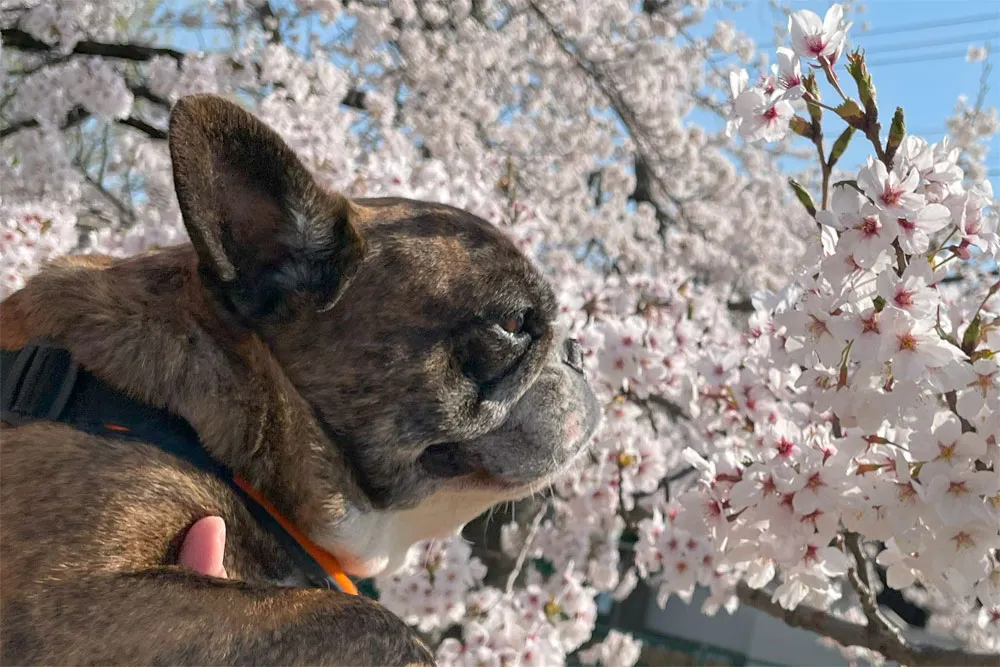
(421, 337)
(448, 386)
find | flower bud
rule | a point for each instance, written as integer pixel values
(840, 145)
(852, 114)
(802, 127)
(812, 91)
(897, 131)
(803, 196)
(971, 338)
(859, 71)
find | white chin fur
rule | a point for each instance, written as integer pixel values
(372, 543)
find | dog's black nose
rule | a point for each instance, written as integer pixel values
(573, 354)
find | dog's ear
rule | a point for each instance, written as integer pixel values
(263, 228)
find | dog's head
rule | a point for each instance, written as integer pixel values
(422, 339)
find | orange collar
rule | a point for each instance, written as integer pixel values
(325, 559)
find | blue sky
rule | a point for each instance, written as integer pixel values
(916, 49)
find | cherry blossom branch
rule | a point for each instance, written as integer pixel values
(123, 209)
(831, 76)
(621, 108)
(523, 554)
(809, 99)
(861, 581)
(145, 128)
(269, 22)
(76, 116)
(19, 39)
(673, 410)
(846, 633)
(642, 192)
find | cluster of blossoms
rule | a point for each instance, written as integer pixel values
(31, 235)
(765, 110)
(868, 407)
(858, 407)
(538, 623)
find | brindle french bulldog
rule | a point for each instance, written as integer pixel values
(381, 370)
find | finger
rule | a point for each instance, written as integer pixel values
(204, 546)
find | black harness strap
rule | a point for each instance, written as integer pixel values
(43, 383)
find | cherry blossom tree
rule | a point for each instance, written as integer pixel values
(799, 371)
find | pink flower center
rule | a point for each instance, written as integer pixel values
(784, 447)
(907, 341)
(890, 195)
(790, 81)
(812, 517)
(906, 225)
(957, 489)
(946, 451)
(815, 481)
(903, 297)
(870, 227)
(815, 44)
(767, 486)
(770, 115)
(817, 327)
(963, 541)
(869, 323)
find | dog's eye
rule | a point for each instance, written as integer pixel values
(488, 352)
(514, 324)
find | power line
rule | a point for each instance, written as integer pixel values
(929, 132)
(924, 59)
(962, 20)
(960, 39)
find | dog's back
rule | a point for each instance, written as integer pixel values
(85, 531)
(90, 529)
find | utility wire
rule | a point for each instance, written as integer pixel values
(924, 59)
(961, 20)
(959, 39)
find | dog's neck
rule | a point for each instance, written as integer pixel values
(146, 326)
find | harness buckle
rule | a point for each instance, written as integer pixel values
(38, 383)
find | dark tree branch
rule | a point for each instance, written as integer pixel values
(861, 581)
(19, 39)
(145, 128)
(618, 104)
(743, 306)
(354, 99)
(673, 410)
(643, 192)
(145, 93)
(269, 22)
(76, 116)
(124, 210)
(846, 633)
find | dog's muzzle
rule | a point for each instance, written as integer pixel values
(573, 354)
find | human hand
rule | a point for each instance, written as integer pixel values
(204, 546)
